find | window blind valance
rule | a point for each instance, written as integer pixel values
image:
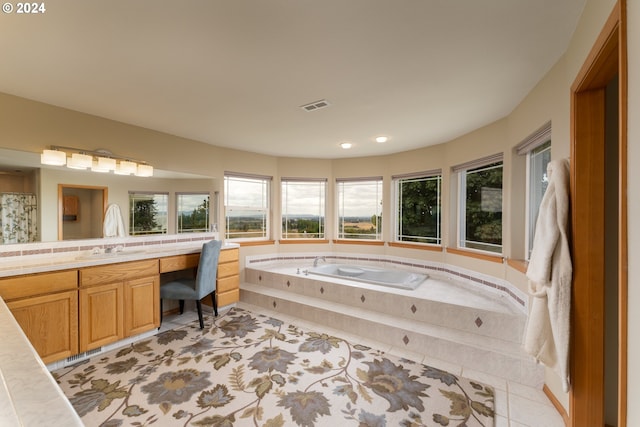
(536, 139)
(295, 179)
(247, 175)
(495, 158)
(369, 178)
(422, 174)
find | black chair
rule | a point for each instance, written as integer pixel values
(195, 289)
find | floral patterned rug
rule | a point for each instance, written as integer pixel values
(256, 370)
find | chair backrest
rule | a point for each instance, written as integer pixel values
(208, 268)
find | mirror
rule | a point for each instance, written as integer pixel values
(21, 173)
(81, 211)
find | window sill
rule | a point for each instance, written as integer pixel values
(359, 242)
(471, 254)
(419, 246)
(518, 264)
(255, 243)
(303, 241)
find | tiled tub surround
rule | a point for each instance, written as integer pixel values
(455, 315)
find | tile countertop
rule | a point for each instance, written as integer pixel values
(44, 263)
(29, 396)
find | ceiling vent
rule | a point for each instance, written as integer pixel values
(317, 105)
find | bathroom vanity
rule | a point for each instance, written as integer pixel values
(84, 303)
(59, 300)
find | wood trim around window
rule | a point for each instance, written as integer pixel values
(303, 241)
(255, 243)
(518, 264)
(477, 255)
(359, 242)
(418, 246)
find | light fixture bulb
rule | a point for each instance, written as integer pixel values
(107, 163)
(346, 145)
(126, 167)
(53, 157)
(80, 161)
(144, 170)
(381, 139)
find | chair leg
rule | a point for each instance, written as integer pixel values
(199, 305)
(214, 301)
(181, 306)
(160, 313)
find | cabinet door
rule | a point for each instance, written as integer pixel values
(142, 305)
(50, 322)
(101, 315)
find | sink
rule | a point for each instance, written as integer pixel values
(103, 255)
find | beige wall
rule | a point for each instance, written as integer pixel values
(548, 100)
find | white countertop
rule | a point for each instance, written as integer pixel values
(64, 261)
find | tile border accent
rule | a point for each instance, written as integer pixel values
(478, 280)
(70, 247)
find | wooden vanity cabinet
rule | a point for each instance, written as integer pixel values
(228, 284)
(118, 301)
(45, 305)
(228, 281)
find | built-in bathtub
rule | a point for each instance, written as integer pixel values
(378, 276)
(455, 315)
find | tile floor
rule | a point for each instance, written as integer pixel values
(516, 405)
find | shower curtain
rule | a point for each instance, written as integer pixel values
(18, 218)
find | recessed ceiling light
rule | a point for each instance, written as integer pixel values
(346, 145)
(381, 139)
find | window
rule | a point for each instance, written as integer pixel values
(193, 212)
(246, 204)
(418, 207)
(537, 148)
(480, 190)
(360, 208)
(303, 208)
(148, 213)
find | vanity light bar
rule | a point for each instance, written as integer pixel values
(96, 161)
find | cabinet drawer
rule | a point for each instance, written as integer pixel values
(226, 298)
(228, 283)
(178, 262)
(228, 269)
(37, 284)
(228, 255)
(119, 272)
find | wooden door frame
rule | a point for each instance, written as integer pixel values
(607, 59)
(61, 187)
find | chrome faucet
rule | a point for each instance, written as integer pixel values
(318, 258)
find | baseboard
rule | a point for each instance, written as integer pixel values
(556, 404)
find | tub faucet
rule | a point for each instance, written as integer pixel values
(318, 258)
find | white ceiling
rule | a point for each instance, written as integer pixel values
(234, 73)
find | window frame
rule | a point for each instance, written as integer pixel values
(132, 229)
(537, 143)
(340, 182)
(264, 210)
(208, 223)
(397, 181)
(322, 214)
(461, 171)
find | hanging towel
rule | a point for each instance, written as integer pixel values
(113, 224)
(549, 273)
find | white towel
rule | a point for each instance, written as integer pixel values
(549, 273)
(113, 225)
